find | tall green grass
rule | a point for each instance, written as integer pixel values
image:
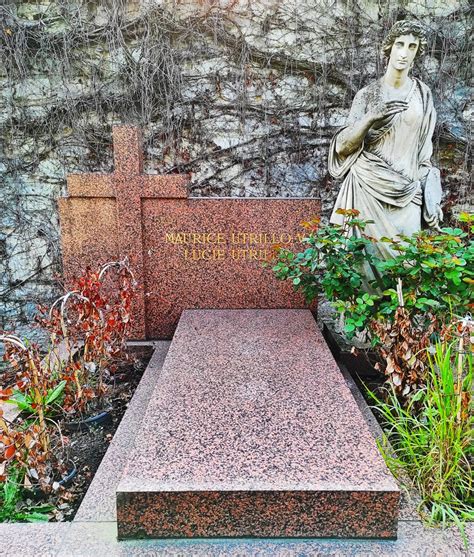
(430, 440)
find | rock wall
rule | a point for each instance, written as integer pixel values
(245, 95)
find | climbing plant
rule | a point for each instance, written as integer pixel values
(244, 95)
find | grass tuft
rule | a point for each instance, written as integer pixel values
(430, 440)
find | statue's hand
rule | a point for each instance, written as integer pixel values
(432, 194)
(382, 110)
(434, 219)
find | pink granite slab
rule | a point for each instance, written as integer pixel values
(98, 504)
(220, 263)
(252, 431)
(185, 252)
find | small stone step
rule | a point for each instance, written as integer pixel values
(252, 431)
(99, 503)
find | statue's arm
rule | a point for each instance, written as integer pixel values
(351, 137)
(363, 116)
(426, 134)
(429, 176)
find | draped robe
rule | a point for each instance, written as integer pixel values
(389, 177)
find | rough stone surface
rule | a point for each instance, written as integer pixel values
(410, 500)
(93, 539)
(243, 95)
(185, 252)
(113, 227)
(252, 431)
(228, 274)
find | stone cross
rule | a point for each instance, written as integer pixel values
(128, 185)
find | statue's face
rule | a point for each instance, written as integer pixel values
(403, 52)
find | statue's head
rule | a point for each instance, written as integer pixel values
(401, 28)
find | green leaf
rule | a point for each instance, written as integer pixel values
(355, 282)
(452, 274)
(417, 396)
(55, 393)
(428, 302)
(37, 517)
(22, 405)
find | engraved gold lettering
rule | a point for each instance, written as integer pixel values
(195, 238)
(199, 254)
(244, 246)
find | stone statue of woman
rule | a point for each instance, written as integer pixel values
(383, 152)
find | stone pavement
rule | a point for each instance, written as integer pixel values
(99, 539)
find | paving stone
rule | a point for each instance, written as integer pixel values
(100, 539)
(252, 431)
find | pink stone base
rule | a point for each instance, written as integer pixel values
(252, 431)
(272, 514)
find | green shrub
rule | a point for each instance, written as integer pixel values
(14, 507)
(332, 263)
(401, 303)
(436, 271)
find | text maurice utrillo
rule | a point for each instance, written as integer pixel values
(239, 246)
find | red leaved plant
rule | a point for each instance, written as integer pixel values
(26, 444)
(88, 328)
(91, 322)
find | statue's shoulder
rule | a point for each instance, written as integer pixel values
(423, 87)
(369, 94)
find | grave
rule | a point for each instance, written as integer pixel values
(251, 429)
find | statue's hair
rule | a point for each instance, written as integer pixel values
(405, 27)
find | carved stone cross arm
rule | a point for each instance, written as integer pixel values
(126, 187)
